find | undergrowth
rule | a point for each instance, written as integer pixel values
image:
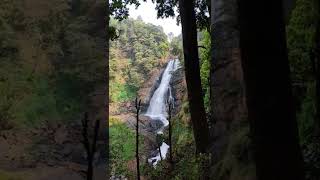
(122, 147)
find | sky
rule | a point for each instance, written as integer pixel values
(148, 13)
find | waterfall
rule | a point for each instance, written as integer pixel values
(157, 107)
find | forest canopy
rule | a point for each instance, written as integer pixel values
(139, 49)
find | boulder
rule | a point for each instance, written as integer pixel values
(144, 119)
(156, 124)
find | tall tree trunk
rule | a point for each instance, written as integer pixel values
(170, 133)
(138, 106)
(227, 96)
(104, 126)
(192, 71)
(316, 68)
(268, 90)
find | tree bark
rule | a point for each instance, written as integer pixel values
(227, 97)
(268, 90)
(192, 71)
(138, 105)
(104, 126)
(316, 70)
(170, 132)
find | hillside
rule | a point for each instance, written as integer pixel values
(51, 65)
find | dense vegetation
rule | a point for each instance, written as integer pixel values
(49, 64)
(204, 55)
(122, 147)
(138, 50)
(236, 161)
(301, 44)
(300, 33)
(52, 61)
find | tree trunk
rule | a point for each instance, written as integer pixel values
(138, 105)
(170, 132)
(316, 68)
(105, 122)
(192, 71)
(268, 90)
(227, 96)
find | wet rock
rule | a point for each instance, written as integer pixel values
(179, 89)
(146, 91)
(156, 124)
(144, 119)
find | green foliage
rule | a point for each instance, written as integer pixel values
(12, 12)
(8, 72)
(119, 8)
(38, 106)
(205, 57)
(238, 162)
(48, 65)
(301, 43)
(7, 41)
(166, 8)
(138, 50)
(306, 115)
(122, 147)
(176, 46)
(300, 33)
(187, 165)
(122, 92)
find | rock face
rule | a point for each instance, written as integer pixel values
(179, 89)
(146, 91)
(147, 126)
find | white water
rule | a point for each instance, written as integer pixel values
(164, 149)
(157, 105)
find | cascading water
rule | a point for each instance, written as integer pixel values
(157, 105)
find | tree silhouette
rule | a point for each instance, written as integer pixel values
(268, 90)
(192, 71)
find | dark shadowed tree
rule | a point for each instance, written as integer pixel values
(192, 71)
(316, 69)
(227, 97)
(165, 8)
(106, 105)
(90, 148)
(138, 106)
(268, 90)
(170, 131)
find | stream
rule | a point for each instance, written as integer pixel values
(157, 110)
